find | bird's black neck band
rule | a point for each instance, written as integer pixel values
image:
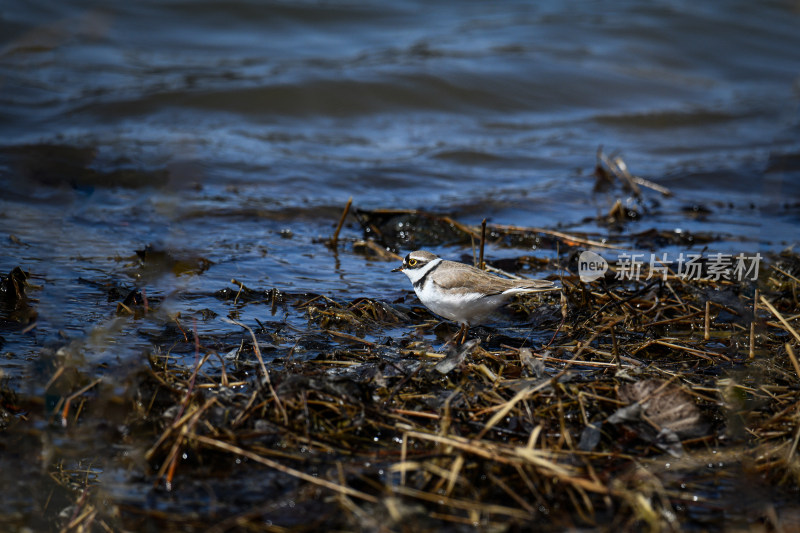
(420, 283)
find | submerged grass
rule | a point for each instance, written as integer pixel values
(645, 411)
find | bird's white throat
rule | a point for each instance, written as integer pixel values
(416, 274)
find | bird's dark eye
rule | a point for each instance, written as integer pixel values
(412, 262)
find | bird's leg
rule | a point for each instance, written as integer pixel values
(462, 334)
(458, 339)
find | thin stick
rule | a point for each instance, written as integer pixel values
(474, 259)
(793, 449)
(779, 316)
(699, 353)
(462, 504)
(197, 364)
(753, 326)
(403, 457)
(341, 489)
(793, 357)
(796, 280)
(509, 405)
(239, 292)
(350, 337)
(706, 334)
(508, 490)
(481, 264)
(618, 167)
(572, 240)
(650, 185)
(54, 378)
(335, 239)
(560, 325)
(615, 347)
(264, 371)
(72, 396)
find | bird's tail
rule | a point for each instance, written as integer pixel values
(534, 285)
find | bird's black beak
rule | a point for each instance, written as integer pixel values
(398, 269)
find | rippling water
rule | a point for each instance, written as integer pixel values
(234, 132)
(214, 129)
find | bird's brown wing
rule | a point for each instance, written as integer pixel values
(459, 276)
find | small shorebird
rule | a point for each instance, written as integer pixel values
(462, 293)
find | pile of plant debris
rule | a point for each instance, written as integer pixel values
(626, 404)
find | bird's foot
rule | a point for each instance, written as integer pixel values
(457, 340)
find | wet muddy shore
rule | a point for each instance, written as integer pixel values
(201, 205)
(657, 403)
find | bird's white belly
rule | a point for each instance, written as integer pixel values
(470, 308)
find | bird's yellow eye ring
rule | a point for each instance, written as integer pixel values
(412, 262)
